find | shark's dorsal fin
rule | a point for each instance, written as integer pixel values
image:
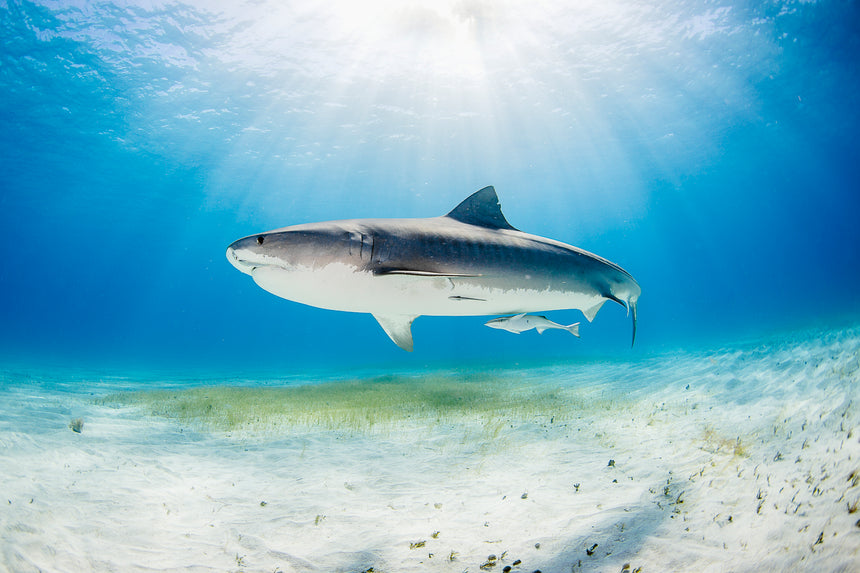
(483, 209)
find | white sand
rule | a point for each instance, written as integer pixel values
(750, 469)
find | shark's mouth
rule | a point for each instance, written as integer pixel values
(241, 265)
(249, 264)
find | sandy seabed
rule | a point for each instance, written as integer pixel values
(737, 459)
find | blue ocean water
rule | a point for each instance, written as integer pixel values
(709, 148)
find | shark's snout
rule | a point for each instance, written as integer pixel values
(257, 251)
(242, 255)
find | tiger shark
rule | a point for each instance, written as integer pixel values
(470, 262)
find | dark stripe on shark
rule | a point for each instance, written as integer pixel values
(390, 271)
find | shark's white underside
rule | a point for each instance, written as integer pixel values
(411, 295)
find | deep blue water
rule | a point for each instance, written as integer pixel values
(709, 148)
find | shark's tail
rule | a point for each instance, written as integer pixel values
(633, 313)
(630, 305)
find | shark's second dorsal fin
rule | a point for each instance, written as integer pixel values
(481, 208)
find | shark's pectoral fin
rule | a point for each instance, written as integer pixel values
(590, 313)
(398, 327)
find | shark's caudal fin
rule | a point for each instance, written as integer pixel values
(633, 313)
(481, 209)
(630, 305)
(398, 328)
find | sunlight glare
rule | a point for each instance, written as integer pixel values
(440, 38)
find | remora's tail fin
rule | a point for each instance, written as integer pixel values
(573, 329)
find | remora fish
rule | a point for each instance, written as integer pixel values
(522, 322)
(470, 262)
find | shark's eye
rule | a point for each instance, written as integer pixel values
(260, 239)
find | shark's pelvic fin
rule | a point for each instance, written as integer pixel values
(590, 313)
(482, 209)
(398, 328)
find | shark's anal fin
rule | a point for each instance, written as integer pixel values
(398, 327)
